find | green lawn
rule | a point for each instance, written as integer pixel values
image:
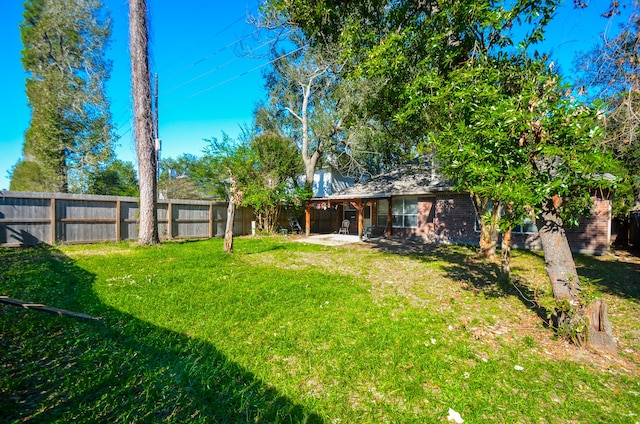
(288, 332)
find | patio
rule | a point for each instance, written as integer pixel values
(330, 239)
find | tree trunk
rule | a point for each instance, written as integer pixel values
(560, 266)
(588, 325)
(505, 268)
(310, 170)
(488, 228)
(145, 144)
(600, 331)
(228, 232)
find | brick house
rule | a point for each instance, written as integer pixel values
(413, 202)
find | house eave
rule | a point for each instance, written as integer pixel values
(385, 195)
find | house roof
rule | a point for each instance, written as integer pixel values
(417, 177)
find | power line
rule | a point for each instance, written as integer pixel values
(234, 77)
(126, 132)
(125, 114)
(215, 69)
(129, 117)
(209, 56)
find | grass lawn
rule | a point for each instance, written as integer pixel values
(289, 332)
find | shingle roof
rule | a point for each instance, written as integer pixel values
(417, 177)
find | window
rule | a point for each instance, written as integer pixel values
(404, 211)
(350, 215)
(528, 227)
(382, 211)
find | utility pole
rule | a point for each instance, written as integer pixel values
(156, 123)
(144, 133)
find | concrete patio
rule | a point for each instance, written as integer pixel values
(330, 239)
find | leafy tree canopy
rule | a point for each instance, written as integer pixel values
(611, 73)
(187, 177)
(117, 178)
(508, 131)
(262, 172)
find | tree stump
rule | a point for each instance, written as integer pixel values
(600, 332)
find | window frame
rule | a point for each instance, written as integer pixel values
(406, 213)
(528, 222)
(385, 213)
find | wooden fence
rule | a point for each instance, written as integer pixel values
(32, 218)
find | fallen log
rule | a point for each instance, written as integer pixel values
(44, 308)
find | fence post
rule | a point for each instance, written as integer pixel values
(52, 216)
(118, 217)
(211, 220)
(169, 220)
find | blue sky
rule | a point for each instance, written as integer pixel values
(207, 86)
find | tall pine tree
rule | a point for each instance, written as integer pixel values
(145, 143)
(70, 132)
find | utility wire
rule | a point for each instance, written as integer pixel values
(127, 113)
(217, 68)
(209, 56)
(232, 78)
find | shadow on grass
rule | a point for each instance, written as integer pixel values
(619, 277)
(480, 276)
(457, 261)
(118, 369)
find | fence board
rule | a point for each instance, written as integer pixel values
(32, 218)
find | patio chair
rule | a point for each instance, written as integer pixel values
(368, 232)
(344, 228)
(295, 225)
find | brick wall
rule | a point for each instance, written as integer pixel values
(450, 218)
(591, 236)
(455, 219)
(444, 218)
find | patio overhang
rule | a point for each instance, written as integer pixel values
(416, 178)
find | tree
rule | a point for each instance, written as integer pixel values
(145, 143)
(300, 89)
(517, 139)
(271, 188)
(28, 175)
(70, 133)
(263, 169)
(187, 177)
(228, 160)
(117, 178)
(454, 83)
(610, 72)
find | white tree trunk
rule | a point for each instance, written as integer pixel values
(228, 232)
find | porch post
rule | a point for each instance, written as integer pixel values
(360, 219)
(307, 219)
(389, 218)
